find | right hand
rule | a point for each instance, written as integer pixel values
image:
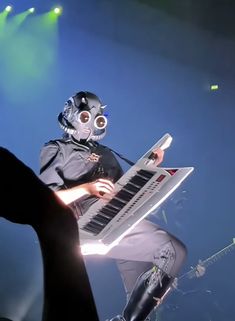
(102, 188)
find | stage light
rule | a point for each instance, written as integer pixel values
(214, 87)
(8, 8)
(31, 10)
(57, 10)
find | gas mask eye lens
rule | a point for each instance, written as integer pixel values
(100, 122)
(84, 117)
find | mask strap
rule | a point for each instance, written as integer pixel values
(123, 158)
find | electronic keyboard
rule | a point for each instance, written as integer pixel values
(139, 192)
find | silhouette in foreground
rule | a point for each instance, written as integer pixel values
(67, 292)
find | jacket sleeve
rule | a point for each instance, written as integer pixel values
(51, 162)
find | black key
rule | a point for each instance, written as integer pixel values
(135, 184)
(132, 188)
(117, 203)
(142, 177)
(139, 181)
(120, 200)
(113, 208)
(110, 209)
(124, 195)
(98, 221)
(96, 226)
(103, 215)
(94, 229)
(103, 219)
(125, 190)
(107, 214)
(145, 174)
(90, 229)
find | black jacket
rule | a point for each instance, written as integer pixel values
(66, 163)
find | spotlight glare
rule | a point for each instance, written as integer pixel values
(58, 10)
(214, 87)
(8, 8)
(31, 10)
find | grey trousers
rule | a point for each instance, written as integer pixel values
(147, 245)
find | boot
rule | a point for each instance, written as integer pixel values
(149, 291)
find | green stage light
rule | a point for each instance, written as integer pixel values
(15, 22)
(214, 87)
(3, 16)
(31, 10)
(8, 8)
(29, 55)
(58, 10)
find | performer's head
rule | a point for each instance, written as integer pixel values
(83, 117)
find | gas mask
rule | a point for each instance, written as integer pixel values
(83, 117)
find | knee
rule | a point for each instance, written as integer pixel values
(182, 249)
(180, 253)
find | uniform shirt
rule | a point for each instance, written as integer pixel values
(65, 163)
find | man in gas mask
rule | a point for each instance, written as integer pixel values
(80, 171)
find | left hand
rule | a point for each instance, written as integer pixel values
(158, 156)
(200, 269)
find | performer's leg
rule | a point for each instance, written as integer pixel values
(129, 271)
(26, 200)
(151, 258)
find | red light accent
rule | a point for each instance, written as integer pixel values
(172, 171)
(160, 178)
